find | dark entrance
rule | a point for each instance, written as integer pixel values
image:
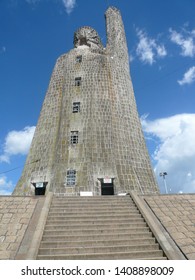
(107, 189)
(107, 186)
(40, 188)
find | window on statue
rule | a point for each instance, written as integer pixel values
(74, 137)
(76, 107)
(71, 177)
(77, 81)
(79, 59)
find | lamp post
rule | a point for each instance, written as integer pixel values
(163, 174)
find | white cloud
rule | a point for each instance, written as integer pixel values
(175, 152)
(6, 187)
(161, 51)
(131, 58)
(185, 39)
(148, 49)
(32, 1)
(17, 142)
(69, 5)
(3, 49)
(189, 77)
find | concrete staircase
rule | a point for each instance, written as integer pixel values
(101, 227)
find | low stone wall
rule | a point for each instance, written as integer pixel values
(177, 215)
(15, 216)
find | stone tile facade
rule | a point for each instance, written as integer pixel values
(177, 214)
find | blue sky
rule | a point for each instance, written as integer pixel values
(161, 42)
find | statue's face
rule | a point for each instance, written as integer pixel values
(88, 37)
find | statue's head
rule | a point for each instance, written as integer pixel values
(87, 36)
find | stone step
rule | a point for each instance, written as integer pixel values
(94, 215)
(81, 243)
(86, 232)
(94, 198)
(101, 206)
(93, 211)
(95, 223)
(85, 237)
(92, 202)
(98, 249)
(95, 226)
(88, 221)
(92, 206)
(106, 256)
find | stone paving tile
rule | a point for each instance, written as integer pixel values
(177, 214)
(15, 215)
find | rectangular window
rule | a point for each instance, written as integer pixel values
(78, 81)
(71, 177)
(79, 59)
(76, 107)
(74, 137)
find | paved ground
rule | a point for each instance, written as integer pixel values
(15, 214)
(177, 214)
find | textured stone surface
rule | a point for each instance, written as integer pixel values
(110, 139)
(177, 214)
(15, 215)
(98, 227)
